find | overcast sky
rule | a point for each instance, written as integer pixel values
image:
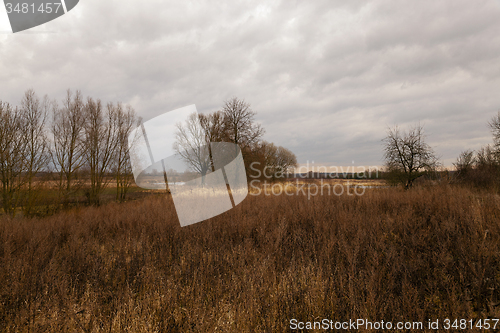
(325, 77)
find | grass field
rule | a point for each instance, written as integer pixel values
(390, 255)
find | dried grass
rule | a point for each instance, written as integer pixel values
(389, 255)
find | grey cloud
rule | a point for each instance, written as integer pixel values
(326, 77)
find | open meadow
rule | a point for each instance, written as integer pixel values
(392, 255)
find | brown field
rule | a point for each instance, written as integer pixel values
(389, 255)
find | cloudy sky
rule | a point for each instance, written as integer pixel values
(325, 77)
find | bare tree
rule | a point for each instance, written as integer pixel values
(278, 160)
(494, 125)
(69, 149)
(101, 141)
(240, 128)
(213, 126)
(486, 158)
(192, 145)
(37, 153)
(407, 155)
(13, 151)
(125, 122)
(239, 123)
(465, 163)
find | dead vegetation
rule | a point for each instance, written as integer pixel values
(389, 255)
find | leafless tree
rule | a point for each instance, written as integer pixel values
(101, 141)
(239, 123)
(213, 126)
(240, 128)
(494, 125)
(286, 160)
(465, 163)
(68, 145)
(13, 151)
(125, 122)
(486, 157)
(407, 155)
(278, 160)
(34, 113)
(192, 145)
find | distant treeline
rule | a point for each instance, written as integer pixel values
(369, 174)
(481, 168)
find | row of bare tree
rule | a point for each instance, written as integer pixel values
(481, 168)
(408, 157)
(79, 145)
